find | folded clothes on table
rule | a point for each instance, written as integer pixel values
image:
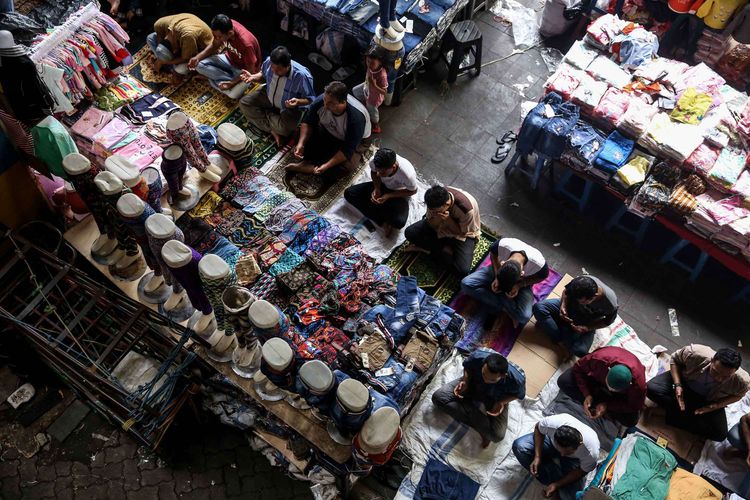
(667, 71)
(727, 169)
(584, 143)
(612, 107)
(589, 93)
(614, 153)
(702, 160)
(581, 55)
(604, 69)
(564, 81)
(636, 118)
(674, 140)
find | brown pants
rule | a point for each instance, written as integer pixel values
(260, 112)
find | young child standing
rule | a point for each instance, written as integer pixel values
(372, 91)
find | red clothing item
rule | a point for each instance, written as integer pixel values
(380, 77)
(243, 51)
(590, 374)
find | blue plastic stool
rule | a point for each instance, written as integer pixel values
(638, 233)
(534, 174)
(743, 295)
(671, 256)
(581, 199)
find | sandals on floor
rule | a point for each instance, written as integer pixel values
(508, 136)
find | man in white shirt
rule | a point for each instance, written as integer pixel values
(559, 453)
(385, 200)
(505, 286)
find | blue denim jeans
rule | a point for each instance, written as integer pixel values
(736, 439)
(553, 467)
(534, 122)
(547, 314)
(347, 422)
(441, 482)
(217, 69)
(479, 285)
(399, 382)
(554, 136)
(321, 402)
(586, 142)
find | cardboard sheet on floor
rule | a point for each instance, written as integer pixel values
(685, 444)
(536, 353)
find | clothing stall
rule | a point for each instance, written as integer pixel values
(300, 337)
(669, 140)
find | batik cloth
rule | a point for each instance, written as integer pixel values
(232, 186)
(225, 218)
(270, 251)
(271, 203)
(245, 232)
(206, 205)
(321, 240)
(187, 136)
(189, 277)
(285, 263)
(280, 214)
(320, 345)
(297, 223)
(302, 239)
(214, 289)
(226, 250)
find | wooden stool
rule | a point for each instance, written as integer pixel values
(638, 233)
(464, 38)
(672, 256)
(581, 199)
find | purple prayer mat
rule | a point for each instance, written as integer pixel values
(503, 334)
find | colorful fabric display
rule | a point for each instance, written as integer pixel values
(703, 79)
(120, 93)
(702, 160)
(727, 169)
(613, 154)
(602, 31)
(742, 186)
(612, 106)
(633, 172)
(691, 107)
(682, 201)
(141, 152)
(635, 47)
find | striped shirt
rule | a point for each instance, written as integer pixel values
(298, 83)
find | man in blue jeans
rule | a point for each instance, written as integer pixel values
(559, 453)
(480, 398)
(586, 304)
(739, 436)
(505, 286)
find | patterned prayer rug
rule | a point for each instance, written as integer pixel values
(264, 147)
(312, 189)
(502, 334)
(435, 280)
(202, 102)
(143, 70)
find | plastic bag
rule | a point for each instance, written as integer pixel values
(23, 28)
(554, 21)
(524, 20)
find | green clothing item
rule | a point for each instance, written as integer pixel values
(52, 143)
(691, 107)
(647, 474)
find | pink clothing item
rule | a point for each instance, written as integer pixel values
(612, 106)
(742, 186)
(702, 160)
(727, 210)
(565, 80)
(380, 77)
(142, 151)
(91, 122)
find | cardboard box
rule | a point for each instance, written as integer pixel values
(685, 444)
(536, 353)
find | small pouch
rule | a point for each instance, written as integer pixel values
(247, 269)
(297, 278)
(421, 350)
(376, 348)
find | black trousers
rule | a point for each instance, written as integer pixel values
(567, 384)
(394, 211)
(462, 252)
(711, 425)
(321, 147)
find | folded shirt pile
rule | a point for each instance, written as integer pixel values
(674, 140)
(613, 155)
(589, 93)
(636, 118)
(702, 160)
(612, 107)
(580, 55)
(564, 81)
(727, 169)
(604, 69)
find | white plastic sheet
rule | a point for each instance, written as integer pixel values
(525, 22)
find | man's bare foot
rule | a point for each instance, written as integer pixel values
(278, 138)
(302, 167)
(414, 248)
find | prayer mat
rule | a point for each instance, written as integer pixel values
(202, 102)
(317, 193)
(142, 70)
(264, 147)
(502, 334)
(442, 284)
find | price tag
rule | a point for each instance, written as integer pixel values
(384, 372)
(662, 442)
(366, 360)
(548, 111)
(410, 365)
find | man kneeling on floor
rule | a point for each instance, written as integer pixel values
(505, 286)
(449, 230)
(700, 384)
(480, 398)
(385, 200)
(559, 453)
(610, 382)
(332, 129)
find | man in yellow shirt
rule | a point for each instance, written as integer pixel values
(176, 39)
